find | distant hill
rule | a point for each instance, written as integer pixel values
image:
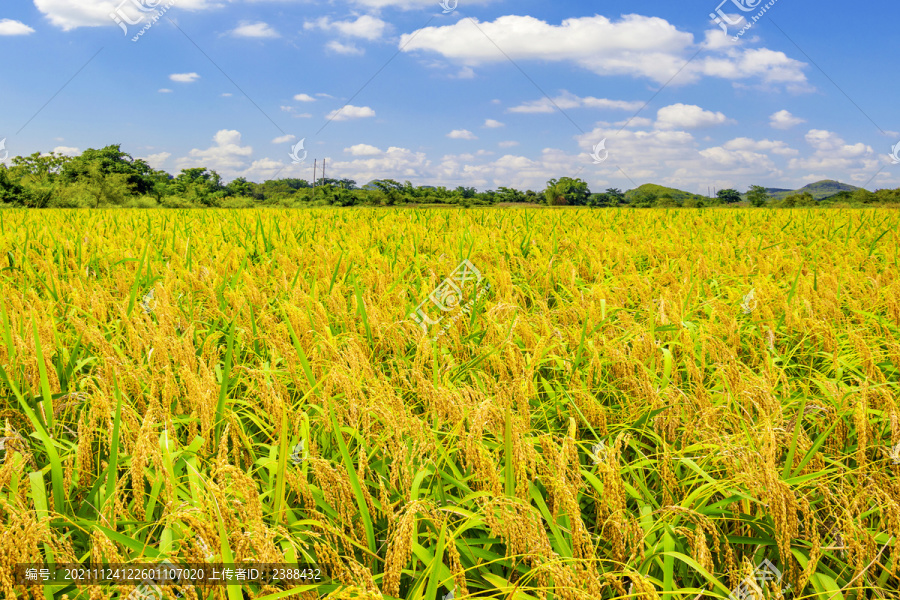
(659, 191)
(819, 190)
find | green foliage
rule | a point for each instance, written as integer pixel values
(567, 191)
(199, 186)
(39, 167)
(111, 177)
(646, 195)
(110, 161)
(11, 192)
(729, 196)
(509, 195)
(667, 201)
(801, 200)
(757, 196)
(611, 197)
(819, 190)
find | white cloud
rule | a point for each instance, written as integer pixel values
(568, 100)
(67, 150)
(11, 27)
(350, 112)
(184, 77)
(406, 4)
(784, 120)
(226, 155)
(688, 116)
(366, 27)
(157, 160)
(254, 30)
(226, 95)
(461, 134)
(363, 150)
(304, 98)
(748, 144)
(165, 91)
(636, 122)
(341, 48)
(831, 154)
(71, 14)
(508, 144)
(284, 138)
(394, 163)
(493, 124)
(635, 45)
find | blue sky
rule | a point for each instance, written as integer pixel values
(494, 93)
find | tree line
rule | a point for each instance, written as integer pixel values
(110, 177)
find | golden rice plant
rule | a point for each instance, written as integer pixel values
(640, 404)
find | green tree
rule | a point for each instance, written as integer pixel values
(239, 187)
(729, 196)
(199, 186)
(11, 191)
(863, 196)
(802, 200)
(567, 191)
(92, 164)
(509, 195)
(757, 196)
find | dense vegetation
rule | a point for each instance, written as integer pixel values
(642, 405)
(109, 177)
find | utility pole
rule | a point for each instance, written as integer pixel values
(315, 161)
(323, 172)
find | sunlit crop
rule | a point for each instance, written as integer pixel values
(645, 403)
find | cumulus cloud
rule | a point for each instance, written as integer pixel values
(493, 124)
(350, 112)
(784, 120)
(304, 98)
(184, 77)
(164, 91)
(831, 154)
(394, 163)
(341, 48)
(71, 14)
(462, 134)
(365, 27)
(157, 160)
(508, 144)
(254, 30)
(11, 27)
(67, 150)
(749, 144)
(688, 116)
(284, 139)
(635, 45)
(363, 150)
(567, 100)
(405, 4)
(225, 156)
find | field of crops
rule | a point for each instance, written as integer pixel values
(608, 404)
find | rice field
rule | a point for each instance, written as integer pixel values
(597, 405)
